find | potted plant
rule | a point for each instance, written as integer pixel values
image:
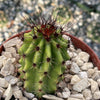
(43, 55)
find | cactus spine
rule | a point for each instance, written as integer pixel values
(42, 58)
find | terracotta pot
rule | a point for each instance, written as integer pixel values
(77, 43)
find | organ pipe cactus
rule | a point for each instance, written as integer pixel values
(42, 57)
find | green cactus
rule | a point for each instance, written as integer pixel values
(42, 58)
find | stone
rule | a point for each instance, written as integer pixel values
(11, 79)
(81, 85)
(87, 66)
(87, 94)
(67, 77)
(51, 97)
(3, 83)
(23, 98)
(8, 68)
(90, 72)
(96, 75)
(70, 98)
(75, 79)
(74, 68)
(94, 85)
(98, 81)
(1, 91)
(78, 96)
(68, 63)
(66, 93)
(79, 62)
(34, 99)
(84, 56)
(59, 94)
(19, 83)
(18, 94)
(2, 60)
(66, 37)
(8, 93)
(83, 74)
(29, 95)
(62, 84)
(96, 95)
(10, 43)
(7, 54)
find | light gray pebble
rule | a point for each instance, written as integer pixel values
(11, 79)
(3, 83)
(74, 68)
(83, 74)
(51, 97)
(11, 43)
(90, 72)
(87, 66)
(84, 56)
(94, 85)
(87, 94)
(8, 68)
(78, 96)
(98, 81)
(81, 85)
(8, 93)
(75, 79)
(96, 95)
(29, 95)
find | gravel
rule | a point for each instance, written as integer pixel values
(81, 81)
(86, 14)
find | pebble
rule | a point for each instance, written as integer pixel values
(87, 94)
(29, 95)
(1, 91)
(10, 43)
(75, 79)
(67, 77)
(11, 79)
(79, 62)
(8, 68)
(96, 75)
(23, 98)
(8, 93)
(83, 75)
(34, 99)
(81, 85)
(51, 97)
(3, 83)
(78, 96)
(96, 95)
(90, 72)
(70, 98)
(66, 93)
(19, 83)
(87, 66)
(18, 94)
(62, 84)
(7, 54)
(74, 68)
(94, 85)
(98, 81)
(84, 56)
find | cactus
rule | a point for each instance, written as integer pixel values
(42, 57)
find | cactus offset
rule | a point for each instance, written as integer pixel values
(43, 55)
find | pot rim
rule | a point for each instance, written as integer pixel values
(78, 44)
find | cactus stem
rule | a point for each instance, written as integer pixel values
(37, 48)
(23, 71)
(56, 35)
(24, 55)
(45, 73)
(34, 37)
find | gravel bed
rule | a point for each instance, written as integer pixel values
(81, 78)
(86, 13)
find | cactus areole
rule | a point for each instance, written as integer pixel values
(42, 57)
